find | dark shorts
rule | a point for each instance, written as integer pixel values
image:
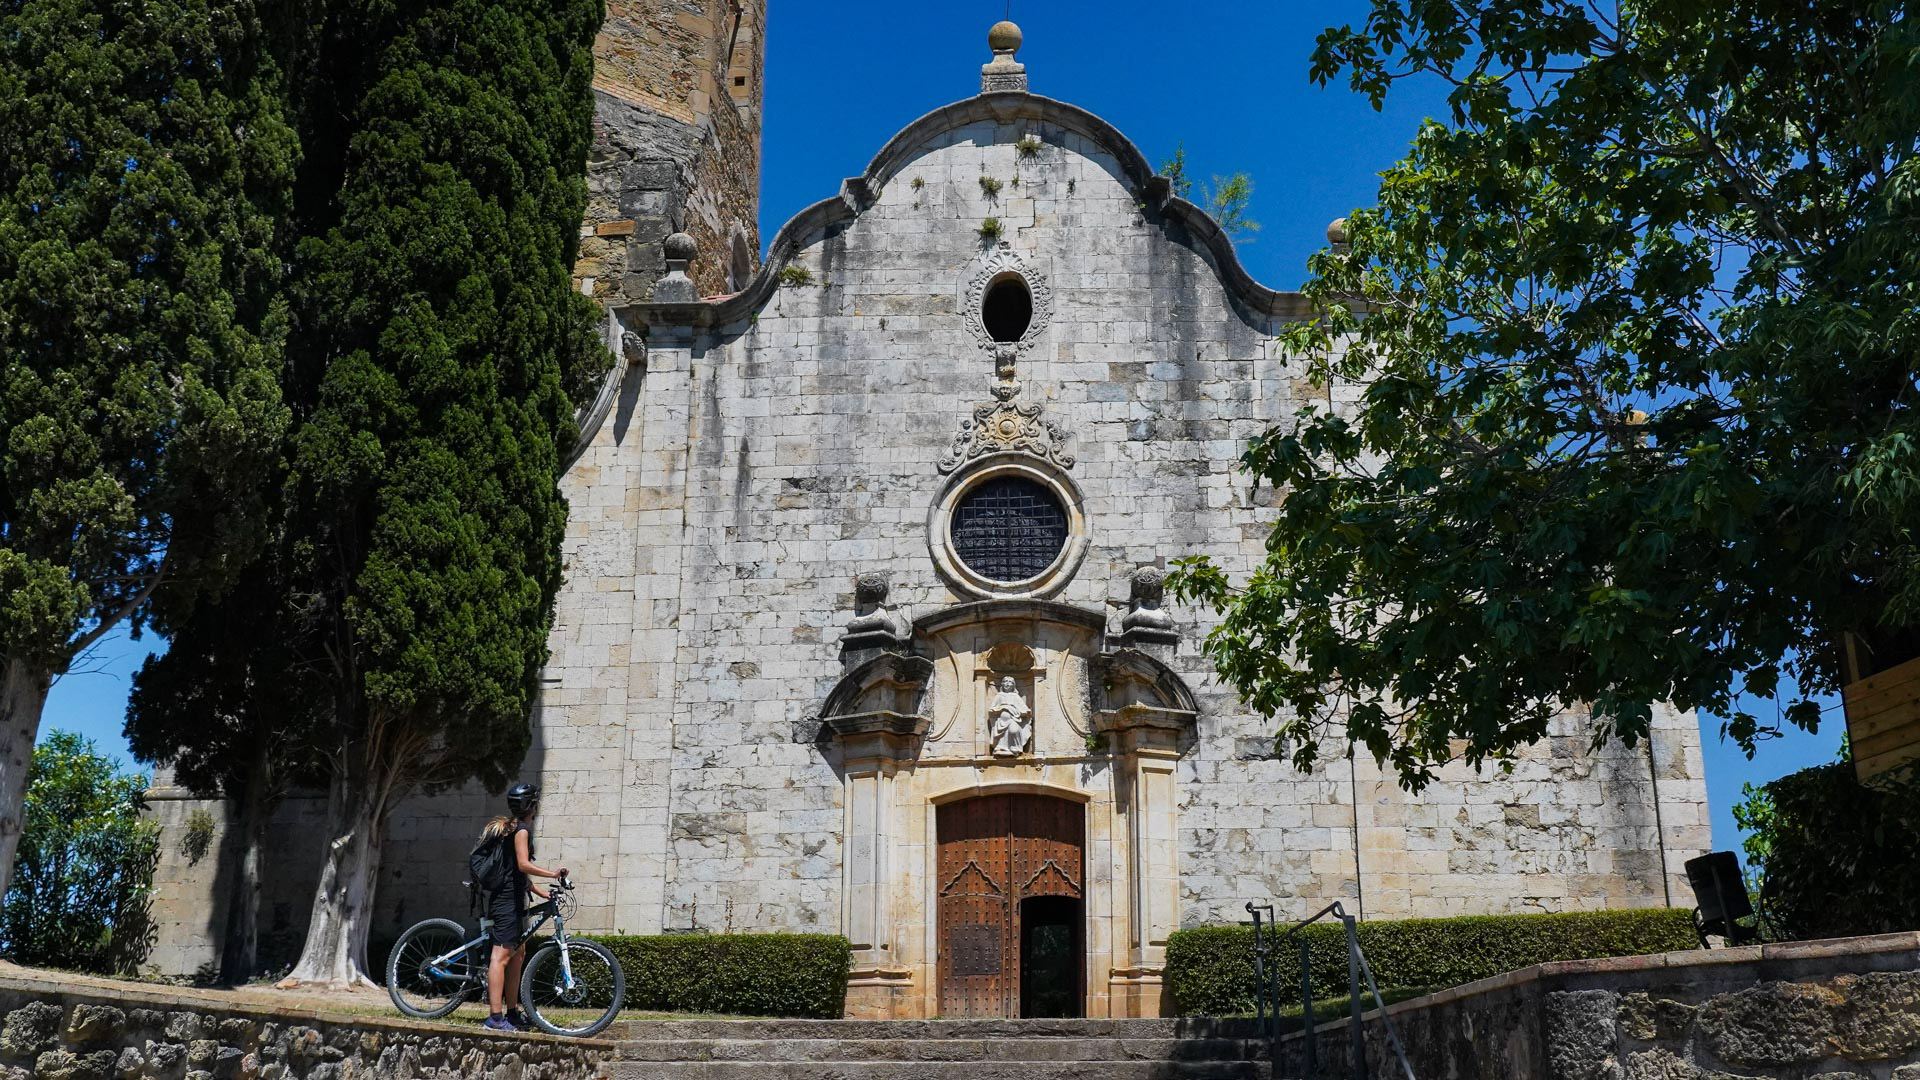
(508, 911)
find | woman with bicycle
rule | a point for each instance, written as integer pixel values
(507, 907)
(569, 986)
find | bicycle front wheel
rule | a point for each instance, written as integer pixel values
(424, 985)
(573, 989)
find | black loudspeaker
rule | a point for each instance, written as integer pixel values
(1720, 898)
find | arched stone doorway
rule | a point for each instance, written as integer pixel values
(913, 728)
(1012, 906)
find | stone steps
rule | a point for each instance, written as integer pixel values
(989, 1049)
(1185, 1027)
(624, 1069)
(1151, 1049)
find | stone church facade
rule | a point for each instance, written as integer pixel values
(864, 632)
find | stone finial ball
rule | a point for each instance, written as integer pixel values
(1004, 36)
(1337, 231)
(1149, 583)
(872, 587)
(681, 247)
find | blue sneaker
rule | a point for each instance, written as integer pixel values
(519, 1020)
(498, 1022)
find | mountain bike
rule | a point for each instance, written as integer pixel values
(570, 986)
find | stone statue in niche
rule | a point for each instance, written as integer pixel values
(1009, 720)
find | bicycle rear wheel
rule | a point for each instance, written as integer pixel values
(581, 1005)
(423, 988)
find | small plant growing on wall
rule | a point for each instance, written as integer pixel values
(198, 838)
(1029, 146)
(990, 229)
(989, 187)
(918, 183)
(796, 275)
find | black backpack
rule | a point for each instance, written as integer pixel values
(490, 864)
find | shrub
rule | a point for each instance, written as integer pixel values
(1832, 858)
(85, 869)
(754, 974)
(1210, 969)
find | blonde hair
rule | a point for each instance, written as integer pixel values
(496, 828)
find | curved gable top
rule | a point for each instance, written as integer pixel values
(858, 192)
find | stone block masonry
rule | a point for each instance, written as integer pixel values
(716, 531)
(784, 442)
(676, 145)
(69, 1027)
(1844, 1009)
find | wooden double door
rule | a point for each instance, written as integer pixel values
(1012, 919)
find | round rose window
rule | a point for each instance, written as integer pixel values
(1009, 528)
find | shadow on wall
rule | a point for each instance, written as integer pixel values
(422, 873)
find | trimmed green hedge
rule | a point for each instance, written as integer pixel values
(754, 974)
(1210, 969)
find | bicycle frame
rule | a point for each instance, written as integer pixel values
(549, 911)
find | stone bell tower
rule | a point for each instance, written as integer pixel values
(678, 86)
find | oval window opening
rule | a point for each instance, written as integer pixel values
(1007, 309)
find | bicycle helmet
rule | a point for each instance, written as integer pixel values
(521, 798)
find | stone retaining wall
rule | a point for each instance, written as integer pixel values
(92, 1029)
(1844, 1009)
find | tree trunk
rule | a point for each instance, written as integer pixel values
(240, 951)
(335, 953)
(23, 697)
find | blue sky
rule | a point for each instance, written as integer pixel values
(1231, 85)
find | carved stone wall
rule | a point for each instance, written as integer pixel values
(773, 458)
(1094, 738)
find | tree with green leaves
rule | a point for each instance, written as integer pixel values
(440, 335)
(231, 706)
(1830, 856)
(1634, 339)
(144, 169)
(85, 865)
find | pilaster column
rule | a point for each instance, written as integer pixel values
(872, 757)
(1146, 753)
(873, 717)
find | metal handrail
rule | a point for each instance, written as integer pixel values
(1267, 992)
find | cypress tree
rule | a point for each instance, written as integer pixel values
(231, 706)
(439, 332)
(144, 167)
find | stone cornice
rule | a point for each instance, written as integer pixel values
(1009, 610)
(857, 193)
